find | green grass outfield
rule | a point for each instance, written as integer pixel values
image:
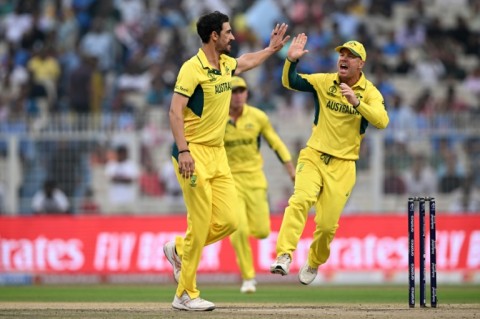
(266, 293)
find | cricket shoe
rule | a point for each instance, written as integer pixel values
(249, 286)
(307, 274)
(196, 304)
(281, 265)
(173, 258)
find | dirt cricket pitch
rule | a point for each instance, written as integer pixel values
(56, 310)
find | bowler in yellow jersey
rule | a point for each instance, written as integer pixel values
(198, 115)
(345, 103)
(243, 135)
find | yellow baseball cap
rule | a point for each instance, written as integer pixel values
(355, 47)
(238, 82)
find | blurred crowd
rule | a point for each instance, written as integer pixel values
(110, 65)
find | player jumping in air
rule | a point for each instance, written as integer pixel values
(345, 103)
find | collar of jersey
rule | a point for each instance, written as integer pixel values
(361, 83)
(246, 109)
(205, 64)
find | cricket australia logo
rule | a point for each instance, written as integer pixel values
(193, 181)
(332, 90)
(227, 69)
(359, 96)
(300, 167)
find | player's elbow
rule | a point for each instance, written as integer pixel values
(175, 116)
(384, 123)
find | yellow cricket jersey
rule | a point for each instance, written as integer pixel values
(242, 141)
(209, 92)
(338, 127)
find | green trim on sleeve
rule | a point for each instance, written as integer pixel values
(363, 125)
(316, 103)
(296, 81)
(196, 101)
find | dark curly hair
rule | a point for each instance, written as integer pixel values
(210, 22)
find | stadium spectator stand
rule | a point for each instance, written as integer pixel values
(90, 73)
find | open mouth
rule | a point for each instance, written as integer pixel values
(343, 66)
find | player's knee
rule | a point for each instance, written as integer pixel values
(261, 233)
(242, 231)
(328, 229)
(226, 227)
(232, 226)
(301, 201)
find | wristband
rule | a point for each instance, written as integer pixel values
(358, 104)
(183, 151)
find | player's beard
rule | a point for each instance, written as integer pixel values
(226, 49)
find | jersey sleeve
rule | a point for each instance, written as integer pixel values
(234, 64)
(186, 82)
(373, 109)
(293, 80)
(273, 140)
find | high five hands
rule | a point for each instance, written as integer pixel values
(297, 48)
(277, 41)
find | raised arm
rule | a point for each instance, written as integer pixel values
(251, 60)
(290, 78)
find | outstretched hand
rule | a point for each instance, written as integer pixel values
(277, 39)
(297, 48)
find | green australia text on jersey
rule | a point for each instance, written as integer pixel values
(242, 141)
(209, 92)
(338, 127)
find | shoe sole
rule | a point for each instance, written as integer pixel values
(171, 263)
(183, 308)
(304, 283)
(248, 291)
(279, 270)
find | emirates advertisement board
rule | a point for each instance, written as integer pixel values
(134, 245)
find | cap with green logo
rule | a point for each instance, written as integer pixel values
(355, 47)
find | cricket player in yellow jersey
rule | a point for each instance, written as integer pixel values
(198, 115)
(345, 104)
(246, 127)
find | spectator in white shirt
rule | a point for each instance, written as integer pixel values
(122, 174)
(50, 200)
(101, 44)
